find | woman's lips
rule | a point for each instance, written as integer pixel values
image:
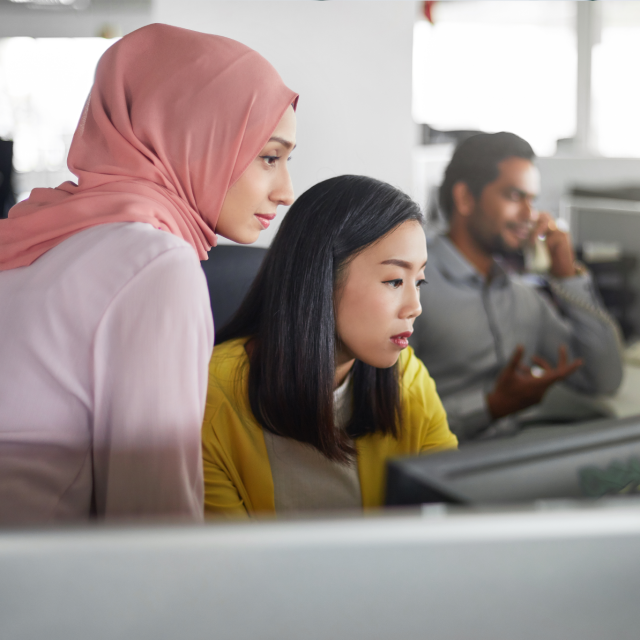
(265, 219)
(402, 339)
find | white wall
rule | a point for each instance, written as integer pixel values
(560, 174)
(19, 20)
(351, 64)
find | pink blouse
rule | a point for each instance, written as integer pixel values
(105, 342)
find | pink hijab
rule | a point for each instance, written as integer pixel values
(173, 120)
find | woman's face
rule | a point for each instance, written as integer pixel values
(250, 204)
(380, 298)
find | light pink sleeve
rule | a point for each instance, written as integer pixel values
(152, 353)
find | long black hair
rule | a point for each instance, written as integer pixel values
(289, 311)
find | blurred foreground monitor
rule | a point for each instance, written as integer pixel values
(565, 572)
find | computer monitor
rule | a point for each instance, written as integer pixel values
(593, 460)
(610, 216)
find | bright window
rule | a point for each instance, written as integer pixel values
(615, 86)
(44, 83)
(498, 66)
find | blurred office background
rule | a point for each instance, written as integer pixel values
(387, 89)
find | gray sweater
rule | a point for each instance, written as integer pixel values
(470, 326)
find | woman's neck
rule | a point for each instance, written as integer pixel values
(344, 363)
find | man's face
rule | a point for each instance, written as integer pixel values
(503, 216)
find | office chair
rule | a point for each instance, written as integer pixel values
(230, 270)
(7, 196)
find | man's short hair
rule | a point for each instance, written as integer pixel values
(475, 162)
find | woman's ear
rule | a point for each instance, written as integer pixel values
(463, 201)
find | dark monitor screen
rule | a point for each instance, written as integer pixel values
(592, 460)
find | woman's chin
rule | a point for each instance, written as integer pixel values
(240, 236)
(382, 360)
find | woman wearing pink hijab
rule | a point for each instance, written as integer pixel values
(105, 324)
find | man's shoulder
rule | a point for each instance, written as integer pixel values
(436, 252)
(434, 242)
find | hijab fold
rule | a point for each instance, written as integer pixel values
(172, 121)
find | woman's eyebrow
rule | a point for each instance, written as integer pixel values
(401, 263)
(283, 142)
(398, 263)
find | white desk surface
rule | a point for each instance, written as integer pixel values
(626, 402)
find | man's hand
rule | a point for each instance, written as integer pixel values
(559, 245)
(518, 388)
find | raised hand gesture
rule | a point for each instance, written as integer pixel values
(518, 387)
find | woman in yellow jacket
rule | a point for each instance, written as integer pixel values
(313, 386)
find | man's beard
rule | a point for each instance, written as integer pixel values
(491, 243)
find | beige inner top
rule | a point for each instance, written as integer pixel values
(303, 479)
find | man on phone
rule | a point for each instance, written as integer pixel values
(493, 343)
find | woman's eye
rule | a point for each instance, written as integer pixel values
(420, 283)
(270, 160)
(394, 283)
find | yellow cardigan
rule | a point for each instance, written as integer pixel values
(237, 474)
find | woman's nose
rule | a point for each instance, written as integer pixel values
(412, 308)
(283, 192)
